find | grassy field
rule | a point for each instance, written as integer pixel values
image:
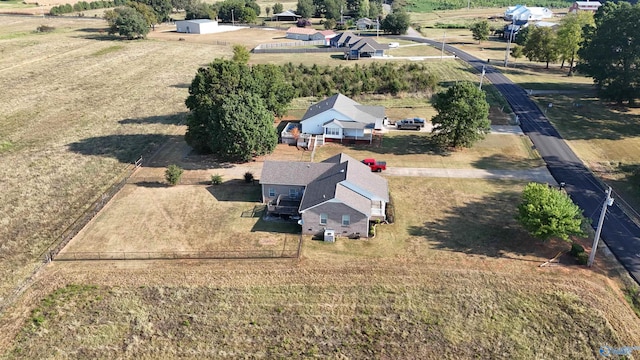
(605, 136)
(453, 277)
(421, 287)
(79, 109)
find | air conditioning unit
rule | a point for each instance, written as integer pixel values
(329, 235)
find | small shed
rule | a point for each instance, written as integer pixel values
(197, 26)
(288, 15)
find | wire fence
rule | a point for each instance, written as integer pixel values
(296, 50)
(72, 230)
(180, 255)
(291, 44)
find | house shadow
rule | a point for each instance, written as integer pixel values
(272, 225)
(175, 119)
(485, 227)
(237, 191)
(124, 148)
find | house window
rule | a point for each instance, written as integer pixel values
(332, 131)
(272, 192)
(323, 219)
(346, 221)
(293, 193)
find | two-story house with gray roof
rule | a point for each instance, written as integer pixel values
(339, 194)
(340, 118)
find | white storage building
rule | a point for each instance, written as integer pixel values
(197, 26)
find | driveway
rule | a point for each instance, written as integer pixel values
(540, 174)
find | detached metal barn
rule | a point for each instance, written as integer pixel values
(197, 26)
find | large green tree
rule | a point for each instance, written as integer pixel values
(611, 52)
(127, 22)
(480, 30)
(541, 45)
(396, 23)
(162, 8)
(146, 11)
(463, 115)
(305, 8)
(549, 213)
(277, 8)
(570, 36)
(232, 110)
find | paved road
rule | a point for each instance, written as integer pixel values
(620, 233)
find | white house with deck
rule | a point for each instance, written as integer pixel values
(339, 118)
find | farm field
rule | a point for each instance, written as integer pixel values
(485, 294)
(453, 277)
(80, 109)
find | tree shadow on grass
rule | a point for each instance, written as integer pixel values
(485, 227)
(585, 118)
(175, 119)
(235, 191)
(405, 145)
(124, 148)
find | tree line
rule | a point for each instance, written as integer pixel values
(375, 78)
(83, 5)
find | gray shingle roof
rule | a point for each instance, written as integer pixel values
(291, 172)
(349, 181)
(349, 108)
(368, 44)
(345, 39)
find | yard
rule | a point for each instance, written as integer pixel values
(415, 149)
(421, 286)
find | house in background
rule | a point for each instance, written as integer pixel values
(339, 194)
(592, 6)
(288, 15)
(525, 13)
(344, 39)
(197, 26)
(365, 23)
(340, 118)
(365, 47)
(310, 34)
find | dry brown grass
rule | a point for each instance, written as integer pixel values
(454, 277)
(430, 290)
(147, 217)
(79, 108)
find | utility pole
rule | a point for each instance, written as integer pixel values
(512, 30)
(481, 77)
(233, 22)
(468, 5)
(442, 52)
(608, 202)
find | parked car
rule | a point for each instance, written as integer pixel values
(394, 45)
(419, 121)
(376, 166)
(409, 124)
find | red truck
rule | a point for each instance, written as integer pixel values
(376, 166)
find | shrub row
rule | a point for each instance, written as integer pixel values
(375, 78)
(83, 5)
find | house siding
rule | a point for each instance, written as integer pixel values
(313, 125)
(279, 189)
(311, 220)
